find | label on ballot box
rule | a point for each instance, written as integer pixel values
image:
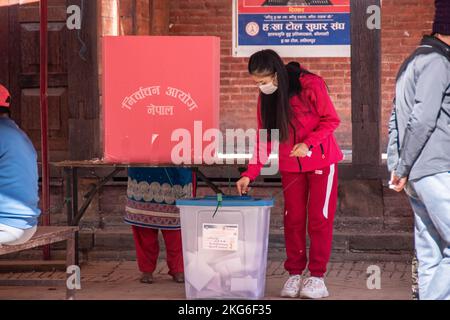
(220, 236)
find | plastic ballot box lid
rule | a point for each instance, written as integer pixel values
(226, 201)
(160, 97)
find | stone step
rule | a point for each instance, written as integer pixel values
(402, 221)
(351, 240)
(378, 240)
(34, 258)
(118, 244)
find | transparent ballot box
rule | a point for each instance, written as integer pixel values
(225, 246)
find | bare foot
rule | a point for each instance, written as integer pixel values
(147, 277)
(178, 277)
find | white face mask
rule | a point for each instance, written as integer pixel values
(268, 88)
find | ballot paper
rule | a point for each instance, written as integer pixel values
(224, 257)
(189, 257)
(229, 266)
(199, 273)
(209, 256)
(215, 284)
(244, 284)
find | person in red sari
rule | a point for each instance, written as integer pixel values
(150, 207)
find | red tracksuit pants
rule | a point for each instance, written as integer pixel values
(147, 249)
(310, 201)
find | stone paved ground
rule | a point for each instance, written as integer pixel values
(120, 280)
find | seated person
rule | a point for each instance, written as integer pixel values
(19, 197)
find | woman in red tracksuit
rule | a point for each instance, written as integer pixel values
(296, 102)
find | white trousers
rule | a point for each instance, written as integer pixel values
(14, 236)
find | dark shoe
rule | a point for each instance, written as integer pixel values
(147, 278)
(178, 277)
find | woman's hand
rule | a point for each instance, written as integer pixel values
(300, 150)
(242, 185)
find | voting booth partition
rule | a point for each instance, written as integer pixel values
(225, 245)
(160, 95)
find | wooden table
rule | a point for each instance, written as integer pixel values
(46, 236)
(75, 213)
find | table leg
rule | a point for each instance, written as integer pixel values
(68, 196)
(206, 180)
(72, 203)
(71, 254)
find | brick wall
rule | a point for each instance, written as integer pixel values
(403, 23)
(238, 92)
(122, 17)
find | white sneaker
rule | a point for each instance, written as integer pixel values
(292, 286)
(314, 288)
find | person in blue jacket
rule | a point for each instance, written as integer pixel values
(19, 197)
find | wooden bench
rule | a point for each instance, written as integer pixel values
(45, 236)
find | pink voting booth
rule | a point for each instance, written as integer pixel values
(156, 90)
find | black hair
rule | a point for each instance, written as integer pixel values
(295, 71)
(275, 108)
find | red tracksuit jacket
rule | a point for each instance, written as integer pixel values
(313, 122)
